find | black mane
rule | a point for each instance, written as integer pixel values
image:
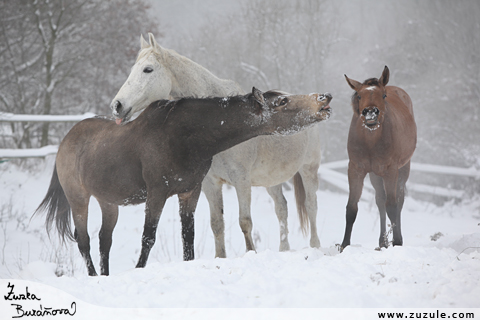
(372, 82)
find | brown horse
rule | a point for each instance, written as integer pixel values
(381, 141)
(166, 151)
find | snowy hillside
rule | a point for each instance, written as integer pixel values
(422, 274)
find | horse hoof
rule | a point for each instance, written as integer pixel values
(284, 247)
(339, 247)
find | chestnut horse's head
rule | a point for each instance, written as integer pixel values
(368, 101)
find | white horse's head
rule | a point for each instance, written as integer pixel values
(148, 81)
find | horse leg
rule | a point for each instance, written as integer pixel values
(109, 220)
(309, 174)
(244, 195)
(153, 209)
(355, 183)
(392, 204)
(282, 214)
(188, 204)
(380, 198)
(80, 220)
(213, 192)
(403, 174)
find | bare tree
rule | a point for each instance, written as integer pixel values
(440, 65)
(65, 57)
(271, 44)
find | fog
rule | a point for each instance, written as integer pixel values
(73, 59)
(432, 49)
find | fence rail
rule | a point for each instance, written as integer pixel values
(10, 117)
(340, 180)
(36, 152)
(420, 167)
(326, 172)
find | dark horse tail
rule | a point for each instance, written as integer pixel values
(300, 197)
(57, 207)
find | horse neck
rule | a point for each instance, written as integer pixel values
(211, 128)
(189, 79)
(361, 135)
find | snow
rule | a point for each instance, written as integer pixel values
(422, 274)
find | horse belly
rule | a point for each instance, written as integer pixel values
(278, 159)
(120, 188)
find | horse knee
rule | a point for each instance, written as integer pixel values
(148, 242)
(218, 226)
(246, 224)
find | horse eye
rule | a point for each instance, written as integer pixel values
(358, 97)
(147, 70)
(283, 102)
(384, 96)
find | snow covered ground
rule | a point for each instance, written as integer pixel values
(422, 274)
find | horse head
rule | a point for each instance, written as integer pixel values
(285, 110)
(148, 81)
(368, 101)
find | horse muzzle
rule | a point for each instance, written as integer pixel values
(325, 110)
(371, 116)
(119, 112)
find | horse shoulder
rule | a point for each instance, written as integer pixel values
(398, 96)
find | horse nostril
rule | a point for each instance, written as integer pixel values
(118, 106)
(325, 96)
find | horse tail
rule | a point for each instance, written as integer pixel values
(57, 207)
(300, 197)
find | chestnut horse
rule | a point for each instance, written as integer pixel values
(381, 141)
(166, 151)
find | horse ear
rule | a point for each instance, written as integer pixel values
(355, 85)
(258, 96)
(385, 76)
(143, 44)
(152, 41)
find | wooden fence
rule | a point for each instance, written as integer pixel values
(38, 152)
(326, 172)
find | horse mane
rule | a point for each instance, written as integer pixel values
(371, 82)
(239, 97)
(160, 52)
(169, 105)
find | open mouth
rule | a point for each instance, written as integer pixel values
(325, 112)
(124, 118)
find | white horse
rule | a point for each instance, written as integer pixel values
(269, 161)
